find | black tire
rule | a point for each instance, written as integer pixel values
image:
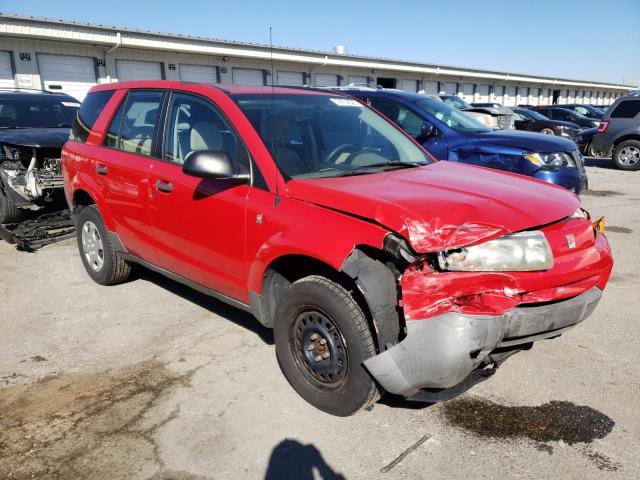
(345, 387)
(621, 157)
(9, 213)
(547, 131)
(113, 268)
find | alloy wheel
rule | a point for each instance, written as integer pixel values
(92, 246)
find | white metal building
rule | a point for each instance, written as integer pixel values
(69, 56)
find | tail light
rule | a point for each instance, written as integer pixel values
(603, 126)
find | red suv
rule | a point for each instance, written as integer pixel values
(379, 268)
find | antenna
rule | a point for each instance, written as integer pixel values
(276, 200)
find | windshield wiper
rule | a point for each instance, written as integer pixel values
(360, 168)
(11, 127)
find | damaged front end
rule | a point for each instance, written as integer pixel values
(30, 176)
(466, 309)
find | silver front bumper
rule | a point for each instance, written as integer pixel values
(441, 351)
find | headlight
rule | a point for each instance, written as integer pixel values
(579, 213)
(522, 251)
(556, 159)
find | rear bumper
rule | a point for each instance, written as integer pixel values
(441, 351)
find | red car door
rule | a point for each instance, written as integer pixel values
(122, 169)
(199, 224)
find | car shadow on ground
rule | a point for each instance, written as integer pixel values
(235, 315)
(292, 459)
(398, 401)
(599, 163)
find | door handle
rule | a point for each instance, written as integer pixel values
(102, 169)
(164, 186)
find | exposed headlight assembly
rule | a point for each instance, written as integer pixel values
(556, 159)
(522, 251)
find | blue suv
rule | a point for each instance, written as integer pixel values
(449, 134)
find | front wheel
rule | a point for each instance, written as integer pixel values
(322, 338)
(9, 213)
(626, 155)
(548, 131)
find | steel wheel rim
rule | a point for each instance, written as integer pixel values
(319, 349)
(629, 156)
(547, 131)
(92, 246)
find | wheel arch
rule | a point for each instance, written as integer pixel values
(371, 283)
(624, 138)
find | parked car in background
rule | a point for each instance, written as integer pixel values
(498, 117)
(584, 139)
(619, 134)
(487, 104)
(533, 121)
(562, 114)
(585, 110)
(448, 135)
(33, 127)
(437, 274)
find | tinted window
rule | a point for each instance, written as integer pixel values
(626, 109)
(196, 124)
(88, 114)
(111, 137)
(37, 111)
(450, 116)
(399, 114)
(140, 121)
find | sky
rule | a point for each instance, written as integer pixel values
(577, 39)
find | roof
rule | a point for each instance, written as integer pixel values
(228, 89)
(309, 54)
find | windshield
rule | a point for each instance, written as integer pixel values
(36, 111)
(455, 102)
(450, 116)
(314, 136)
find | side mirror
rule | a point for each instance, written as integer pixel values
(213, 164)
(426, 130)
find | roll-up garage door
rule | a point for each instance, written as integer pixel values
(498, 93)
(409, 85)
(451, 88)
(66, 73)
(134, 70)
(245, 76)
(430, 88)
(483, 93)
(358, 79)
(524, 95)
(467, 92)
(326, 80)
(198, 73)
(510, 101)
(571, 96)
(6, 71)
(291, 78)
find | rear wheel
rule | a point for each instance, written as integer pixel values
(548, 131)
(626, 155)
(322, 338)
(103, 264)
(9, 213)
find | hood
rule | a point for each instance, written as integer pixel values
(490, 110)
(444, 205)
(537, 142)
(35, 137)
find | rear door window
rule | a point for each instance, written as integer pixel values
(139, 122)
(88, 114)
(399, 114)
(626, 109)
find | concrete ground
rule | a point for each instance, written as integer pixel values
(152, 380)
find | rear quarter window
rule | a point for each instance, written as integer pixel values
(88, 114)
(626, 109)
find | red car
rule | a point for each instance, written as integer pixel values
(379, 268)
